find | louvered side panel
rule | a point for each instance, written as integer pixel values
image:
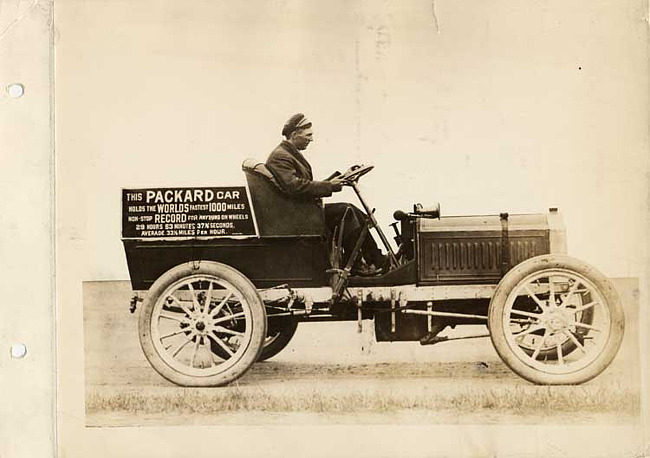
(522, 248)
(457, 258)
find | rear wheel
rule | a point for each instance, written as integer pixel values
(280, 332)
(192, 309)
(556, 320)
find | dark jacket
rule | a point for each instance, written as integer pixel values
(293, 173)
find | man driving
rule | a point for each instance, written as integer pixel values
(294, 174)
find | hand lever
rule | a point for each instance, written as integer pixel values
(394, 226)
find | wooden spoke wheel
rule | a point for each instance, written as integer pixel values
(195, 308)
(555, 320)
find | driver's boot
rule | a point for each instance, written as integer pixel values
(361, 269)
(381, 262)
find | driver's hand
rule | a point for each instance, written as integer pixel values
(337, 181)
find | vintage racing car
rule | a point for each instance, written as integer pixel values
(225, 275)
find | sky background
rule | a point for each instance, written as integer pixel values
(484, 107)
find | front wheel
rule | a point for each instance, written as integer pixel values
(555, 320)
(192, 309)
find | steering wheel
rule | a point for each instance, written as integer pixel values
(355, 172)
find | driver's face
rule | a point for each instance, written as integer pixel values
(302, 138)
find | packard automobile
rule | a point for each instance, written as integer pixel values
(225, 276)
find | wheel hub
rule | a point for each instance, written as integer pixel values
(201, 323)
(556, 320)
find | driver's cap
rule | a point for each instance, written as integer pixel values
(297, 121)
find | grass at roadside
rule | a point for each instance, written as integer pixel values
(525, 400)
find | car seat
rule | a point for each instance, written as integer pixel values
(277, 213)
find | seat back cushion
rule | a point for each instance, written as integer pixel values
(277, 213)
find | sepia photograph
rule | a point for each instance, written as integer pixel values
(352, 228)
